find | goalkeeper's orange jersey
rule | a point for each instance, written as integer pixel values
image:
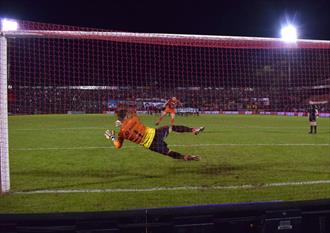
(132, 129)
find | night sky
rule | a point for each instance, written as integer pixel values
(260, 18)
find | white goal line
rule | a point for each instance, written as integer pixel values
(174, 145)
(178, 188)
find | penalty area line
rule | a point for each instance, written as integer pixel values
(178, 188)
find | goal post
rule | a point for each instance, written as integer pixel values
(4, 155)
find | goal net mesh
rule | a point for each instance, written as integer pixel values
(60, 69)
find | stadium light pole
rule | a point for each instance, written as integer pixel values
(6, 25)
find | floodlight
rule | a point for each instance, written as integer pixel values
(289, 33)
(8, 25)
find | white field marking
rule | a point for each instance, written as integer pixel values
(174, 145)
(104, 128)
(178, 188)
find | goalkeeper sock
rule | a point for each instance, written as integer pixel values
(175, 155)
(181, 128)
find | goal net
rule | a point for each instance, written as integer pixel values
(54, 69)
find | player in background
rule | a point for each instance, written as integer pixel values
(312, 115)
(153, 139)
(170, 107)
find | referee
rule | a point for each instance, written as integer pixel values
(312, 115)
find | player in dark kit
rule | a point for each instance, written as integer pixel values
(153, 139)
(312, 115)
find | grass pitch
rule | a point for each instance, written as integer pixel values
(63, 163)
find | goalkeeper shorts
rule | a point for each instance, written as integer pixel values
(158, 144)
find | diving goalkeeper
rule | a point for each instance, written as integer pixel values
(153, 139)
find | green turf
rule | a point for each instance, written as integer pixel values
(69, 152)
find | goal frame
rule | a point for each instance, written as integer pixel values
(143, 38)
(4, 150)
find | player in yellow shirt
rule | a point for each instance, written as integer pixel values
(133, 130)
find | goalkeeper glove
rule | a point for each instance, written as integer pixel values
(110, 135)
(118, 123)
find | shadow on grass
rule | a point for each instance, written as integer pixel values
(214, 169)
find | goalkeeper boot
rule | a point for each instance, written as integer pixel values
(198, 130)
(191, 158)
